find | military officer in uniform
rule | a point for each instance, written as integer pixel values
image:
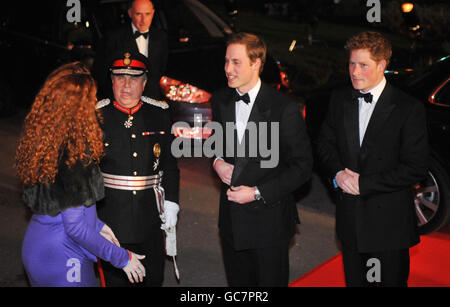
(140, 174)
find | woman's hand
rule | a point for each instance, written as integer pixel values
(108, 234)
(135, 270)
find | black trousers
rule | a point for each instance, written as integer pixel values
(154, 261)
(262, 267)
(387, 269)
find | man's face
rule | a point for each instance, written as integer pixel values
(128, 89)
(365, 72)
(240, 72)
(141, 14)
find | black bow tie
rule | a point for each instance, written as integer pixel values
(137, 34)
(367, 96)
(245, 98)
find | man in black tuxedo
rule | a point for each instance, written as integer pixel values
(258, 213)
(138, 37)
(374, 144)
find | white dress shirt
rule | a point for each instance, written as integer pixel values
(141, 42)
(366, 109)
(243, 110)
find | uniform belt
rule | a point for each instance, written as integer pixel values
(142, 183)
(132, 183)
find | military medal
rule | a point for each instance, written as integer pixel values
(157, 153)
(128, 123)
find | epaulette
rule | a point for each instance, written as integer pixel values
(102, 103)
(159, 103)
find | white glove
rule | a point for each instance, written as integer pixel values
(171, 248)
(171, 242)
(170, 218)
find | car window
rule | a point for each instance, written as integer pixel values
(212, 23)
(182, 22)
(429, 78)
(190, 18)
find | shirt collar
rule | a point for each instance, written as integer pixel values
(253, 92)
(133, 27)
(377, 90)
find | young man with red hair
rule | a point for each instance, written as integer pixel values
(374, 144)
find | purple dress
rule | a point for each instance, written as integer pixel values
(61, 250)
(63, 238)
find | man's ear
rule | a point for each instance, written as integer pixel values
(382, 65)
(256, 65)
(129, 12)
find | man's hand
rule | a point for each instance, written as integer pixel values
(241, 194)
(348, 181)
(224, 170)
(108, 234)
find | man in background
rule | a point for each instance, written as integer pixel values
(139, 37)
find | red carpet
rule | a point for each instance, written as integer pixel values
(430, 266)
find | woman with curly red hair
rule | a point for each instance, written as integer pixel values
(57, 161)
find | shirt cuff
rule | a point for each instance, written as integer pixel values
(215, 160)
(336, 186)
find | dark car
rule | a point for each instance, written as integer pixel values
(432, 201)
(432, 87)
(39, 38)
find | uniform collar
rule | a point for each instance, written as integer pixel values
(128, 111)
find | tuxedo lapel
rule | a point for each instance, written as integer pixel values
(152, 44)
(227, 111)
(131, 41)
(381, 113)
(261, 108)
(351, 124)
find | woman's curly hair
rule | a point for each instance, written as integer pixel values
(62, 121)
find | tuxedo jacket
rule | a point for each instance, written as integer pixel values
(270, 222)
(392, 158)
(123, 39)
